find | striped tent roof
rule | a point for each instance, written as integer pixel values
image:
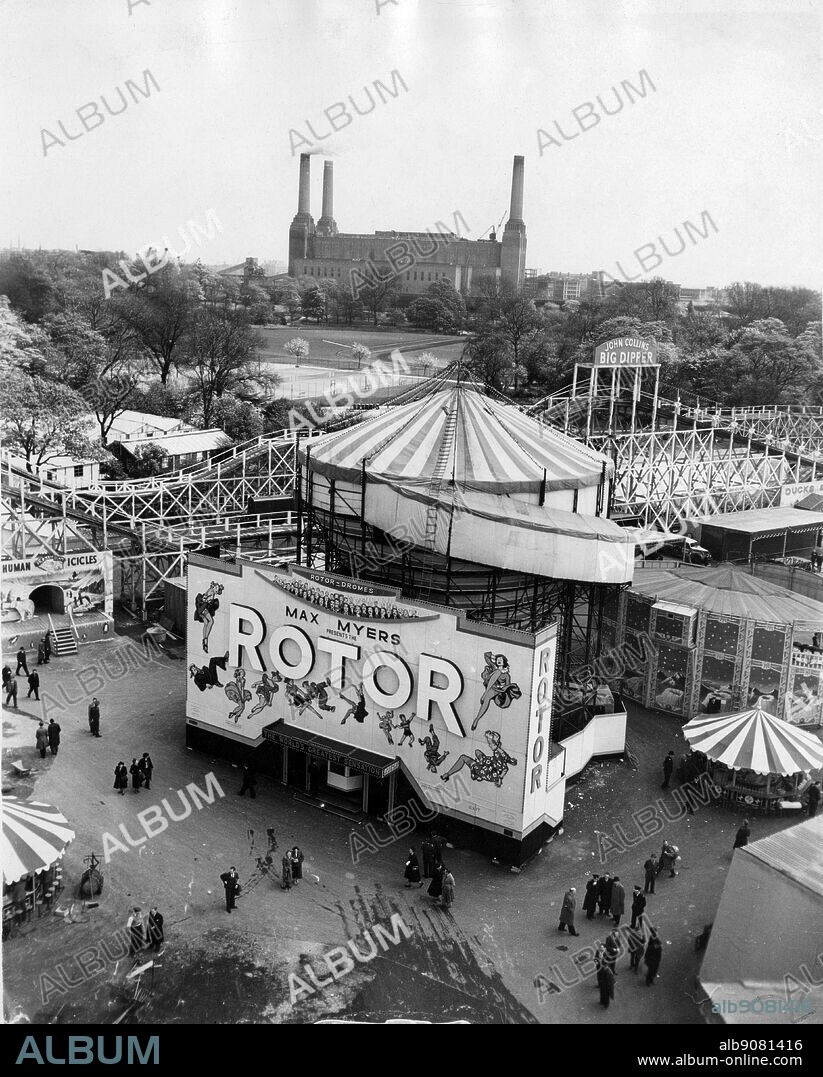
(458, 433)
(755, 740)
(33, 837)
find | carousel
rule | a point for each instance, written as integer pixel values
(754, 758)
(34, 838)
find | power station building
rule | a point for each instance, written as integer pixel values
(413, 259)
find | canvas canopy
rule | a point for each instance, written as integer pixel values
(755, 740)
(33, 836)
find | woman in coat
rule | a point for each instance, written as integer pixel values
(296, 864)
(590, 900)
(436, 885)
(136, 775)
(412, 872)
(654, 953)
(121, 778)
(617, 905)
(448, 888)
(41, 739)
(137, 939)
(604, 893)
(286, 880)
(605, 982)
(567, 911)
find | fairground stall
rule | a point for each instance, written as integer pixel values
(717, 640)
(756, 760)
(33, 838)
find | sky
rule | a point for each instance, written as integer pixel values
(732, 128)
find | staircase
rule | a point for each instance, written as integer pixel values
(63, 641)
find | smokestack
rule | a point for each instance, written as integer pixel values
(516, 212)
(328, 188)
(303, 201)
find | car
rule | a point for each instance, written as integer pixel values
(682, 549)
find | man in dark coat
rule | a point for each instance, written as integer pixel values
(156, 937)
(41, 653)
(54, 736)
(249, 781)
(604, 893)
(605, 983)
(742, 836)
(590, 900)
(650, 868)
(654, 954)
(94, 717)
(21, 661)
(6, 675)
(567, 911)
(814, 798)
(47, 647)
(11, 690)
(34, 685)
(634, 939)
(231, 883)
(638, 905)
(668, 767)
(612, 951)
(617, 905)
(146, 769)
(427, 852)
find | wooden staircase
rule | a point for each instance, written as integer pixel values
(63, 641)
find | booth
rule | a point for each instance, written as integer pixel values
(34, 838)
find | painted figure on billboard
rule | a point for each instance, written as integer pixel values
(265, 689)
(206, 676)
(357, 707)
(498, 683)
(205, 607)
(386, 724)
(319, 691)
(485, 768)
(432, 755)
(405, 725)
(300, 698)
(238, 693)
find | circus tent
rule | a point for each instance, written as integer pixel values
(34, 836)
(755, 740)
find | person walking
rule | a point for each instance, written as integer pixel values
(231, 885)
(136, 776)
(605, 982)
(742, 836)
(438, 844)
(612, 950)
(590, 900)
(634, 940)
(668, 767)
(11, 690)
(249, 782)
(654, 954)
(34, 685)
(41, 653)
(47, 647)
(436, 885)
(286, 876)
(650, 868)
(296, 864)
(411, 872)
(6, 675)
(669, 855)
(604, 894)
(814, 798)
(448, 888)
(427, 851)
(21, 661)
(156, 936)
(94, 717)
(54, 736)
(617, 906)
(121, 778)
(137, 939)
(146, 769)
(567, 911)
(638, 905)
(41, 739)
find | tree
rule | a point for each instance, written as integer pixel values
(379, 296)
(432, 314)
(361, 353)
(159, 399)
(43, 419)
(161, 312)
(22, 346)
(220, 347)
(241, 419)
(313, 304)
(145, 462)
(489, 359)
(27, 286)
(297, 348)
(454, 302)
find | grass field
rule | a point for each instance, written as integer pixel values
(331, 348)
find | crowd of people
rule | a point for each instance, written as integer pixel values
(146, 932)
(141, 771)
(10, 684)
(441, 886)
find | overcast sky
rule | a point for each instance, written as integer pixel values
(733, 127)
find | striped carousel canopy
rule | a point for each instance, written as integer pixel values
(457, 432)
(33, 837)
(755, 740)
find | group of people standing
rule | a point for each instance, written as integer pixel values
(441, 887)
(10, 686)
(47, 736)
(141, 771)
(649, 950)
(145, 930)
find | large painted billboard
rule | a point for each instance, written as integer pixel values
(462, 705)
(76, 583)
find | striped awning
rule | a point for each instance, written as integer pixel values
(755, 740)
(458, 433)
(33, 837)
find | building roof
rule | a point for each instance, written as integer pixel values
(183, 442)
(130, 423)
(755, 740)
(727, 591)
(459, 435)
(813, 502)
(761, 521)
(794, 852)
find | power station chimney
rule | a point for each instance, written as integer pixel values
(513, 246)
(301, 231)
(327, 226)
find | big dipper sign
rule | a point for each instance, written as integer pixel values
(626, 352)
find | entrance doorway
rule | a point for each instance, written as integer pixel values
(48, 598)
